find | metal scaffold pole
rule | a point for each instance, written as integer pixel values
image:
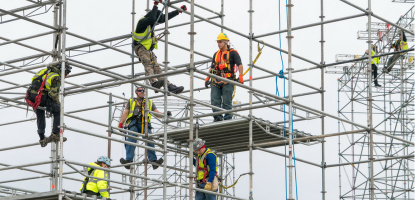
(370, 101)
(110, 102)
(251, 173)
(166, 68)
(191, 103)
(290, 105)
(132, 167)
(323, 159)
(62, 99)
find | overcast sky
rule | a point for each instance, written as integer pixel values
(99, 20)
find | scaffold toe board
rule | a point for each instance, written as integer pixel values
(230, 136)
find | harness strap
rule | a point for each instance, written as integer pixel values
(36, 104)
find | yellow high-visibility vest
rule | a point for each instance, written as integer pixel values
(97, 185)
(133, 103)
(48, 82)
(149, 40)
(201, 168)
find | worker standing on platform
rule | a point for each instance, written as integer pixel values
(225, 63)
(44, 91)
(375, 62)
(399, 45)
(93, 186)
(135, 121)
(207, 170)
(145, 41)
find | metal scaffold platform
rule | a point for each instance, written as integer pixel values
(375, 125)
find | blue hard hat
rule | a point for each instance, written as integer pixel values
(105, 160)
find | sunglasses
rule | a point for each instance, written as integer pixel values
(140, 90)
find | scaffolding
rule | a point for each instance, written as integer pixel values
(391, 134)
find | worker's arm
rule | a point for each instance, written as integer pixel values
(171, 15)
(54, 89)
(403, 36)
(157, 111)
(211, 161)
(149, 19)
(241, 69)
(102, 184)
(124, 116)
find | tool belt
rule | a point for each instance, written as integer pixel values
(220, 84)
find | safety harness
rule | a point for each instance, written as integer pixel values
(205, 169)
(227, 71)
(39, 92)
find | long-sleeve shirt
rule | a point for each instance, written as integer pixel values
(211, 161)
(56, 84)
(151, 17)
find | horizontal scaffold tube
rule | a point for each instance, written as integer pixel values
(375, 160)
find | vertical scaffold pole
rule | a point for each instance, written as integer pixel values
(62, 89)
(109, 132)
(54, 153)
(166, 64)
(369, 66)
(251, 195)
(290, 98)
(323, 159)
(132, 167)
(222, 12)
(191, 68)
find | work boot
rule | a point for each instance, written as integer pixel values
(159, 161)
(124, 161)
(174, 89)
(54, 137)
(217, 119)
(377, 85)
(158, 84)
(43, 143)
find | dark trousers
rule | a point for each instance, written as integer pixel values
(222, 98)
(40, 114)
(375, 73)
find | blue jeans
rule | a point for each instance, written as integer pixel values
(222, 98)
(203, 196)
(129, 149)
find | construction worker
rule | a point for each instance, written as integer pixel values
(207, 170)
(44, 91)
(145, 41)
(399, 45)
(96, 186)
(225, 63)
(134, 118)
(375, 62)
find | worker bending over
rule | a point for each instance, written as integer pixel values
(144, 43)
(44, 91)
(134, 114)
(225, 63)
(375, 62)
(207, 170)
(399, 45)
(93, 186)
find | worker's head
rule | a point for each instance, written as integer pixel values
(104, 161)
(199, 146)
(140, 92)
(68, 68)
(222, 40)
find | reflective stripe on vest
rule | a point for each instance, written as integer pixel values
(219, 59)
(404, 45)
(200, 173)
(48, 82)
(132, 107)
(150, 38)
(375, 60)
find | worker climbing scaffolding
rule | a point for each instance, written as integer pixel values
(145, 42)
(44, 91)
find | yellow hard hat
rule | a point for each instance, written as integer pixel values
(222, 36)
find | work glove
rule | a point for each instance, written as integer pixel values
(120, 125)
(208, 186)
(207, 82)
(157, 3)
(169, 113)
(183, 7)
(241, 79)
